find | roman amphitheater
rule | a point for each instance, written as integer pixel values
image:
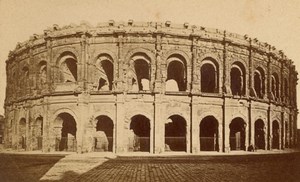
(148, 87)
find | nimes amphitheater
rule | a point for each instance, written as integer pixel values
(148, 87)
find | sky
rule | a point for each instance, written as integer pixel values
(274, 21)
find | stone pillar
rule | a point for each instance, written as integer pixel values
(188, 133)
(27, 135)
(195, 84)
(282, 131)
(270, 130)
(226, 130)
(220, 136)
(121, 132)
(120, 64)
(251, 126)
(45, 140)
(250, 88)
(247, 139)
(226, 72)
(158, 126)
(82, 120)
(195, 142)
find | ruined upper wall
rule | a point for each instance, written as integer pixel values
(148, 28)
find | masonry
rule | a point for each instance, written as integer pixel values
(148, 87)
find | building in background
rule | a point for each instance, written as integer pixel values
(150, 87)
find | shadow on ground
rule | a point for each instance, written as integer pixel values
(16, 167)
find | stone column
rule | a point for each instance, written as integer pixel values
(226, 130)
(220, 136)
(45, 141)
(251, 125)
(27, 135)
(121, 132)
(226, 72)
(282, 131)
(195, 84)
(270, 129)
(194, 128)
(82, 120)
(188, 134)
(158, 125)
(120, 63)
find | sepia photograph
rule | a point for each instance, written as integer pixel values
(137, 90)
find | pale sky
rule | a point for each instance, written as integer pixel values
(274, 21)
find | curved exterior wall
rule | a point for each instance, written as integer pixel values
(243, 88)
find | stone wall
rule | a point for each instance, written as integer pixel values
(60, 82)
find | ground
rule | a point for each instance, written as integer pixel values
(261, 167)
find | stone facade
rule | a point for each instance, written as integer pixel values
(152, 87)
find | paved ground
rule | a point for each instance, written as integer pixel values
(272, 167)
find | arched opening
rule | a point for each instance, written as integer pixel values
(275, 85)
(104, 134)
(176, 78)
(42, 73)
(209, 134)
(259, 82)
(175, 134)
(259, 134)
(275, 133)
(65, 132)
(237, 134)
(105, 73)
(22, 133)
(68, 67)
(142, 71)
(237, 79)
(209, 76)
(37, 133)
(139, 134)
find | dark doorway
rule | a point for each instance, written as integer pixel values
(142, 73)
(104, 134)
(209, 134)
(237, 79)
(175, 134)
(275, 132)
(139, 139)
(67, 141)
(176, 72)
(22, 133)
(259, 85)
(208, 78)
(237, 134)
(259, 135)
(37, 134)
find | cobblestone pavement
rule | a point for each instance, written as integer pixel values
(198, 168)
(272, 167)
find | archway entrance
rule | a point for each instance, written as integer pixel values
(65, 131)
(139, 134)
(104, 134)
(37, 134)
(175, 134)
(259, 135)
(237, 134)
(209, 134)
(22, 133)
(275, 132)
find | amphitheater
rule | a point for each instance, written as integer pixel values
(148, 87)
